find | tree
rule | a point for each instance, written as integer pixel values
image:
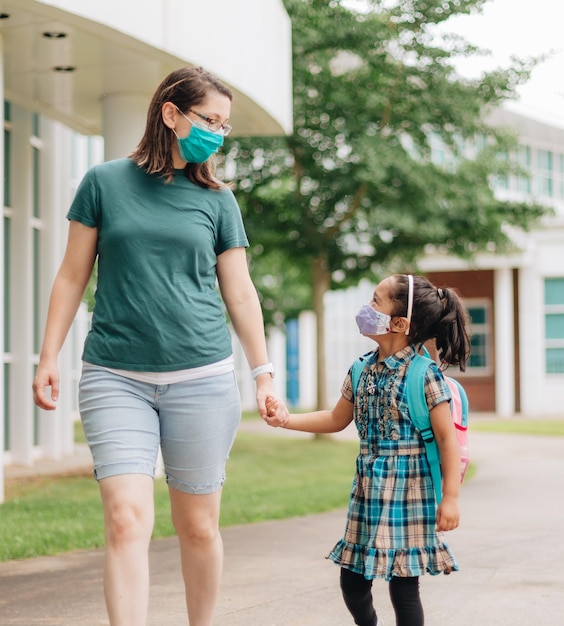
(357, 187)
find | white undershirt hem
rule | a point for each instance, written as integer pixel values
(179, 376)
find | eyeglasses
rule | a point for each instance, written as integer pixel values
(214, 125)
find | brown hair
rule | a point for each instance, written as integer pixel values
(437, 314)
(185, 87)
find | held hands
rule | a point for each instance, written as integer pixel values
(267, 396)
(276, 412)
(448, 515)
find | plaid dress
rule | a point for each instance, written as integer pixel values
(390, 527)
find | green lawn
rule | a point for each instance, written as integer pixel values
(552, 427)
(267, 478)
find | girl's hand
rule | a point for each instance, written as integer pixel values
(276, 412)
(265, 390)
(448, 515)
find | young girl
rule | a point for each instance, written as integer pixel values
(394, 527)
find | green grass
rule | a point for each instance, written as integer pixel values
(551, 427)
(276, 478)
(267, 478)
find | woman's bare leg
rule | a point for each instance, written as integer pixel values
(196, 520)
(128, 506)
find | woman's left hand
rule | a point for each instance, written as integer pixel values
(265, 391)
(277, 412)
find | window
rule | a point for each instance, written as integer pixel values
(479, 362)
(524, 160)
(6, 303)
(545, 173)
(36, 290)
(7, 153)
(554, 325)
(7, 335)
(438, 150)
(36, 146)
(6, 216)
(35, 160)
(6, 406)
(501, 181)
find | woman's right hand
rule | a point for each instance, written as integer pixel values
(47, 375)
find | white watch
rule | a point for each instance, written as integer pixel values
(267, 368)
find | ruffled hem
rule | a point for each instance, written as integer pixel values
(373, 563)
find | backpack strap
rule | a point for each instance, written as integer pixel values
(356, 371)
(463, 402)
(419, 414)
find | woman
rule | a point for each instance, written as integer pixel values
(158, 365)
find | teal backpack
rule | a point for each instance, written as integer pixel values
(419, 413)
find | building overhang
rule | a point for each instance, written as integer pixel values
(63, 57)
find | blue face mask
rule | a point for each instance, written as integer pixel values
(371, 322)
(199, 145)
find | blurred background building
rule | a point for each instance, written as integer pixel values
(516, 301)
(77, 76)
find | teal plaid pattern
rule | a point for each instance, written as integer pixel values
(390, 528)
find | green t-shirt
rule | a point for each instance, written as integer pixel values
(157, 305)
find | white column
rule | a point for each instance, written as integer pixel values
(504, 343)
(277, 353)
(21, 296)
(531, 340)
(2, 391)
(56, 432)
(124, 118)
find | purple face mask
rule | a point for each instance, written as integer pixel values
(371, 322)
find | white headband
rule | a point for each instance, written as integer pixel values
(409, 301)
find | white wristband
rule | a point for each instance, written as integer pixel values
(267, 368)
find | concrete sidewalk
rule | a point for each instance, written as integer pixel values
(509, 547)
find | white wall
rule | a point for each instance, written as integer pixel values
(541, 393)
(343, 341)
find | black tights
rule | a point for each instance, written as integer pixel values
(404, 594)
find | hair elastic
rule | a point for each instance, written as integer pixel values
(409, 301)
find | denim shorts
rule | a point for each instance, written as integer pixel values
(194, 423)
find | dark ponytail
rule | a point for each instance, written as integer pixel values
(437, 314)
(452, 339)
